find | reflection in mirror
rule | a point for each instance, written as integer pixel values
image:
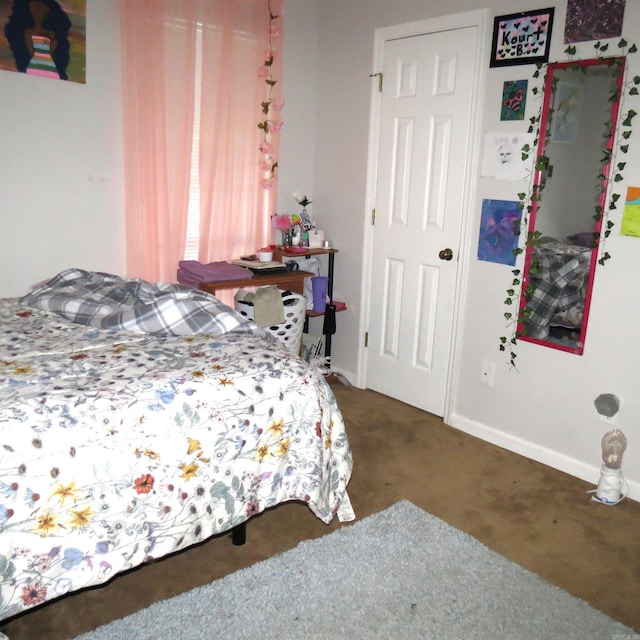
(577, 125)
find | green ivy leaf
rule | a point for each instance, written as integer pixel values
(633, 49)
(604, 258)
(542, 163)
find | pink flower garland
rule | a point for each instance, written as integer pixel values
(269, 125)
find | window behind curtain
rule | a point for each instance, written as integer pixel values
(193, 216)
(161, 116)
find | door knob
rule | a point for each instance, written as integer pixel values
(446, 254)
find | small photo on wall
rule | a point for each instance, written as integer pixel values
(499, 231)
(514, 100)
(593, 20)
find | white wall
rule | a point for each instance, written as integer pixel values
(61, 205)
(297, 141)
(61, 191)
(545, 409)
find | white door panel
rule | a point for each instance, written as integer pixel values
(423, 142)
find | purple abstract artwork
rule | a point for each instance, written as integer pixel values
(593, 20)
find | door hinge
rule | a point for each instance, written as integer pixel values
(366, 339)
(373, 217)
(379, 76)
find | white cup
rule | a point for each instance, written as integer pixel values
(265, 256)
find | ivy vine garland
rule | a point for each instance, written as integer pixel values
(610, 156)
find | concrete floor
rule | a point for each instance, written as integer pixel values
(536, 516)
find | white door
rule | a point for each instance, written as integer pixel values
(421, 177)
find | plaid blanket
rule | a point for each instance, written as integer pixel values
(560, 286)
(109, 302)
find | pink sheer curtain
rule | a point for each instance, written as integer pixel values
(234, 210)
(158, 56)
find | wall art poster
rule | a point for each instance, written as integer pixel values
(593, 20)
(514, 100)
(499, 231)
(44, 38)
(522, 38)
(502, 157)
(631, 215)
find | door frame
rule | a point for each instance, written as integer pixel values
(480, 20)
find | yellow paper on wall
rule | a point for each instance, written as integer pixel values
(631, 214)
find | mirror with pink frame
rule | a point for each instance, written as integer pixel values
(580, 108)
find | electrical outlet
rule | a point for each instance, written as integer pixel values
(487, 371)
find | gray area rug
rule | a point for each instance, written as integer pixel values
(401, 573)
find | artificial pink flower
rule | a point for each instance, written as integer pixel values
(282, 222)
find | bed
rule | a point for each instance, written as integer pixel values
(139, 419)
(559, 276)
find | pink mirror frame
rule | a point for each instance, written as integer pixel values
(601, 183)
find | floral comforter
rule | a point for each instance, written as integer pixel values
(118, 447)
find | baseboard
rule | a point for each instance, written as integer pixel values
(347, 378)
(588, 473)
